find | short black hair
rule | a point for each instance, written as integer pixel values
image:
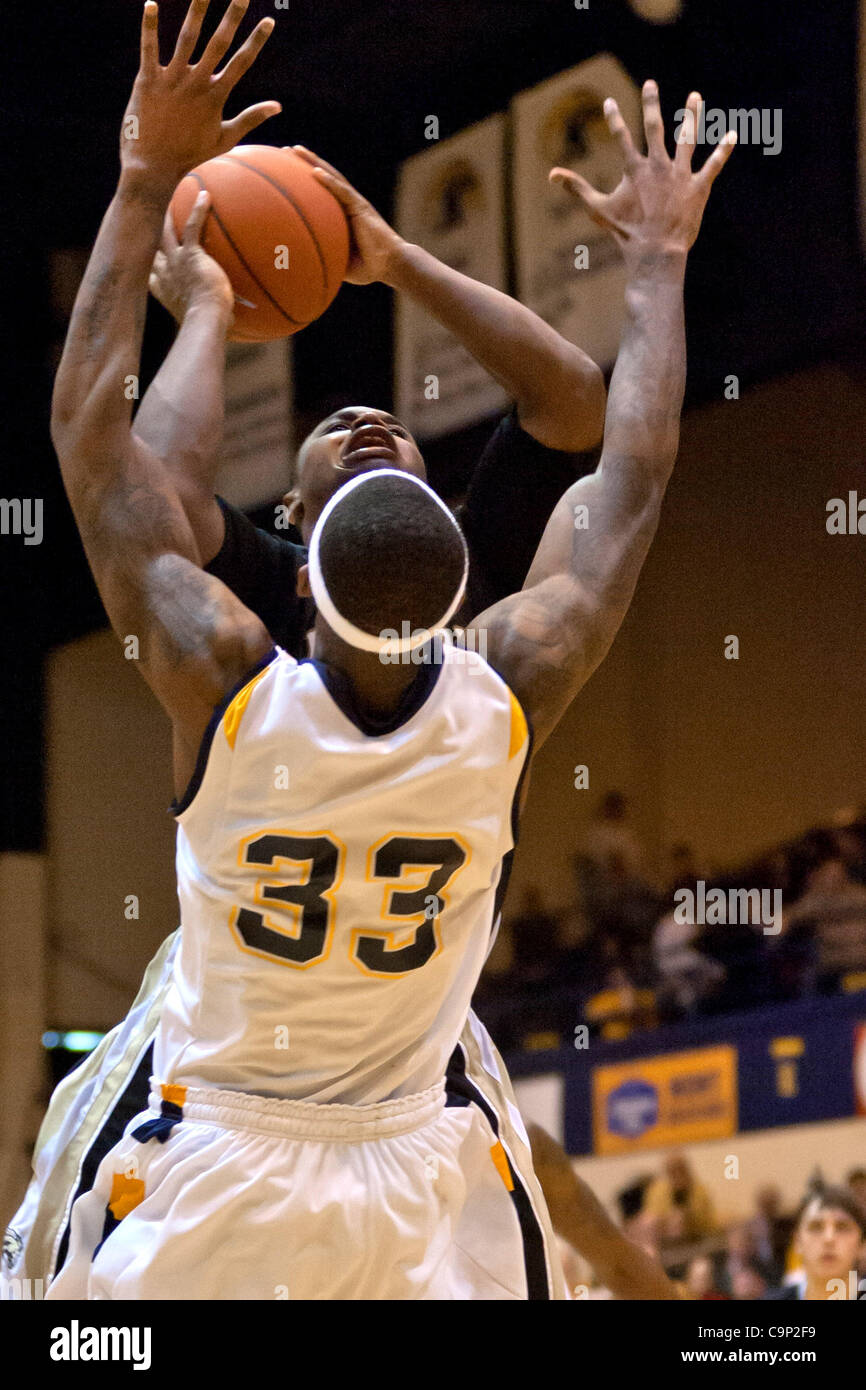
(389, 554)
(828, 1196)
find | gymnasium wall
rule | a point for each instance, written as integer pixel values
(730, 755)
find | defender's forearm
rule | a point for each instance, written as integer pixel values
(94, 388)
(648, 382)
(182, 415)
(558, 389)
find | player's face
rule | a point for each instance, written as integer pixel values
(828, 1240)
(354, 440)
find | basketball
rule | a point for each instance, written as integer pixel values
(281, 238)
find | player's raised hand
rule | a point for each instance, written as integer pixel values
(372, 241)
(174, 119)
(183, 273)
(659, 202)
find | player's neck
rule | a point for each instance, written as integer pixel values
(377, 686)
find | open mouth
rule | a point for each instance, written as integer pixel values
(368, 446)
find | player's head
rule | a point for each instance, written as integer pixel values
(830, 1229)
(355, 439)
(386, 557)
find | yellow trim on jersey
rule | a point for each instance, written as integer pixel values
(175, 1094)
(503, 1168)
(519, 727)
(231, 720)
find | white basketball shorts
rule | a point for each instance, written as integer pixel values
(230, 1196)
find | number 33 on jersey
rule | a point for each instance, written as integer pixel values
(353, 907)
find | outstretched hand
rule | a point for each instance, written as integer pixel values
(373, 240)
(174, 119)
(659, 202)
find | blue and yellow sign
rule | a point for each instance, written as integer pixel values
(655, 1102)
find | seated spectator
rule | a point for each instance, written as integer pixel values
(685, 976)
(700, 1281)
(829, 1236)
(772, 1231)
(749, 1283)
(851, 839)
(828, 916)
(614, 892)
(856, 1181)
(740, 948)
(535, 944)
(618, 1007)
(681, 1204)
(744, 1257)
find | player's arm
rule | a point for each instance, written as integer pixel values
(579, 1217)
(558, 389)
(195, 638)
(547, 640)
(181, 416)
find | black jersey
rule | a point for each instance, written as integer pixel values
(514, 487)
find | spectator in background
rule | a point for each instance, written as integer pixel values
(749, 1282)
(746, 1258)
(535, 944)
(682, 868)
(851, 839)
(681, 1204)
(740, 949)
(701, 1282)
(685, 976)
(825, 929)
(829, 1236)
(527, 1007)
(856, 1181)
(772, 1231)
(616, 898)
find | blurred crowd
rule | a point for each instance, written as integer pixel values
(775, 1253)
(635, 953)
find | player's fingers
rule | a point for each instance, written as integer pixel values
(620, 132)
(188, 36)
(652, 121)
(169, 241)
(159, 264)
(235, 130)
(196, 219)
(718, 159)
(222, 36)
(246, 55)
(687, 134)
(310, 157)
(345, 194)
(577, 184)
(149, 39)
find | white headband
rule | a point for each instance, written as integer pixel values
(357, 636)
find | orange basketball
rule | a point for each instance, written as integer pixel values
(281, 238)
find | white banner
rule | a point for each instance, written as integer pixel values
(258, 439)
(569, 270)
(450, 201)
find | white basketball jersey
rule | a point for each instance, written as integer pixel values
(338, 886)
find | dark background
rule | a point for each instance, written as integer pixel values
(775, 281)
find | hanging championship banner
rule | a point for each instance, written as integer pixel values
(450, 201)
(568, 269)
(258, 438)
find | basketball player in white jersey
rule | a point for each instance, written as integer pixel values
(546, 641)
(534, 453)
